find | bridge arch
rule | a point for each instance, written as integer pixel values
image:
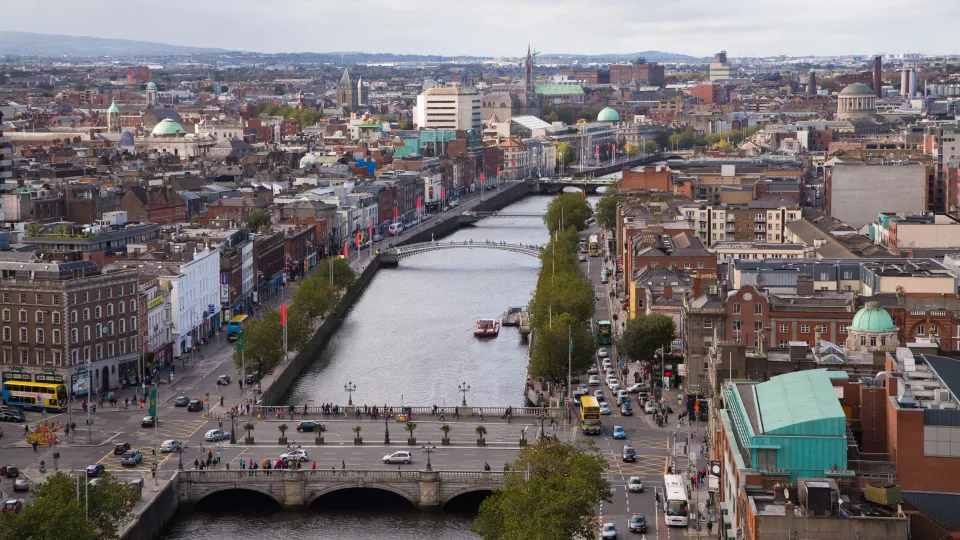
(198, 499)
(426, 247)
(315, 495)
(466, 491)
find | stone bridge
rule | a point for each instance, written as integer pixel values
(392, 256)
(296, 489)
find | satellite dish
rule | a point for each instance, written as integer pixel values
(786, 494)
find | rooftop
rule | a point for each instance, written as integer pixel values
(799, 403)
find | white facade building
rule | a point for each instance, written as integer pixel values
(449, 108)
(194, 297)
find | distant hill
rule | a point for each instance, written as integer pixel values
(31, 44)
(651, 56)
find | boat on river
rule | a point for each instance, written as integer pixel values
(511, 317)
(487, 328)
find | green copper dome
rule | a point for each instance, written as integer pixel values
(873, 318)
(167, 127)
(151, 85)
(608, 114)
(113, 108)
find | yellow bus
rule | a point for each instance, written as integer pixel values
(35, 396)
(235, 326)
(593, 245)
(590, 415)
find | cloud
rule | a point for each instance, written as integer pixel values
(504, 27)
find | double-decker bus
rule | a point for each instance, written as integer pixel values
(235, 326)
(675, 506)
(604, 335)
(593, 245)
(35, 396)
(590, 415)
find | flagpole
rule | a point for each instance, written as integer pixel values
(569, 361)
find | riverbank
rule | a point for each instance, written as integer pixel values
(278, 384)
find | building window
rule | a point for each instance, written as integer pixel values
(86, 354)
(110, 309)
(758, 309)
(766, 458)
(883, 341)
(133, 324)
(133, 306)
(56, 337)
(99, 331)
(97, 312)
(933, 330)
(39, 316)
(7, 334)
(6, 298)
(109, 292)
(86, 333)
(758, 325)
(736, 326)
(822, 328)
(736, 309)
(784, 328)
(86, 314)
(843, 329)
(23, 298)
(56, 356)
(6, 315)
(24, 338)
(99, 352)
(86, 298)
(74, 356)
(123, 347)
(122, 307)
(56, 316)
(39, 299)
(708, 325)
(686, 265)
(804, 328)
(110, 350)
(73, 316)
(873, 341)
(23, 315)
(783, 344)
(24, 356)
(40, 357)
(921, 331)
(74, 336)
(123, 326)
(98, 294)
(699, 265)
(56, 300)
(863, 341)
(40, 335)
(7, 356)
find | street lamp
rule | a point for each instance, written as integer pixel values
(463, 389)
(386, 430)
(429, 449)
(350, 388)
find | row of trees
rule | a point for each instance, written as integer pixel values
(315, 297)
(688, 138)
(563, 300)
(59, 511)
(305, 117)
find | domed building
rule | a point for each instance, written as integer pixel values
(855, 102)
(872, 330)
(151, 94)
(608, 114)
(168, 136)
(166, 128)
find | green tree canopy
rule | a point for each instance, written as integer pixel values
(256, 218)
(263, 344)
(645, 334)
(558, 499)
(650, 147)
(299, 330)
(606, 210)
(57, 513)
(315, 296)
(563, 292)
(343, 274)
(567, 210)
(564, 153)
(548, 359)
(279, 90)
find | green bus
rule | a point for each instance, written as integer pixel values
(604, 334)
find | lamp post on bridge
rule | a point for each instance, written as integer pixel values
(428, 449)
(350, 388)
(386, 429)
(463, 388)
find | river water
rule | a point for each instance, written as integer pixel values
(409, 337)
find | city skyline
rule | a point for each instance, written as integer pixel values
(697, 28)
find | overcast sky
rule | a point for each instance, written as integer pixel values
(503, 27)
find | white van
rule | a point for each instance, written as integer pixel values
(395, 228)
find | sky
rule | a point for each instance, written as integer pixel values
(504, 27)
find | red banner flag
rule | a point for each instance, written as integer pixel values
(498, 170)
(358, 240)
(345, 252)
(396, 212)
(584, 193)
(598, 149)
(283, 314)
(613, 148)
(443, 193)
(481, 178)
(418, 203)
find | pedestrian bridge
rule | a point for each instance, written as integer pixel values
(426, 247)
(297, 489)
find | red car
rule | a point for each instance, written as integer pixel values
(13, 505)
(10, 471)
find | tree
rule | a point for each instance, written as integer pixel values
(645, 334)
(606, 210)
(249, 427)
(279, 90)
(315, 296)
(263, 344)
(257, 218)
(567, 210)
(650, 147)
(343, 274)
(564, 153)
(548, 359)
(59, 513)
(563, 292)
(558, 497)
(299, 329)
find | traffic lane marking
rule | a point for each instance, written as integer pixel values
(173, 429)
(111, 462)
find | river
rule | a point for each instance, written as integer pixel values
(409, 337)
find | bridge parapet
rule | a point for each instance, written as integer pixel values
(425, 247)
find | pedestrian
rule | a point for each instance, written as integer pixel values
(35, 445)
(196, 464)
(221, 401)
(343, 464)
(314, 465)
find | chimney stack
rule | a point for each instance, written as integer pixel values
(877, 72)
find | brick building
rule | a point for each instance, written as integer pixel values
(649, 74)
(708, 93)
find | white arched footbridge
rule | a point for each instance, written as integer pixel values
(426, 247)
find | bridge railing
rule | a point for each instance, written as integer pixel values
(418, 411)
(234, 475)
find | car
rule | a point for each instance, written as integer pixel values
(223, 380)
(615, 388)
(609, 372)
(252, 378)
(120, 448)
(296, 455)
(635, 484)
(638, 523)
(148, 421)
(398, 457)
(593, 370)
(619, 433)
(607, 364)
(181, 401)
(610, 381)
(575, 379)
(637, 388)
(95, 482)
(10, 471)
(131, 458)
(594, 381)
(599, 395)
(12, 416)
(605, 408)
(308, 426)
(13, 505)
(21, 484)
(195, 405)
(94, 470)
(216, 435)
(609, 531)
(604, 279)
(582, 258)
(602, 352)
(171, 445)
(1, 432)
(650, 407)
(622, 395)
(582, 387)
(578, 393)
(629, 455)
(626, 410)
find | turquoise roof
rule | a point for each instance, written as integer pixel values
(151, 85)
(800, 403)
(608, 114)
(113, 108)
(873, 318)
(558, 89)
(167, 126)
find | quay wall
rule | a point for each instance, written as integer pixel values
(277, 384)
(156, 514)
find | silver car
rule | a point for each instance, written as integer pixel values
(398, 457)
(131, 458)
